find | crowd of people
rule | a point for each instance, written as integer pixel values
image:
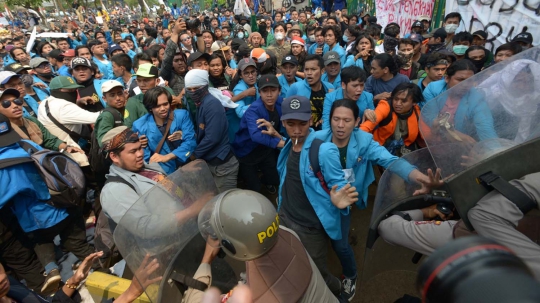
(297, 104)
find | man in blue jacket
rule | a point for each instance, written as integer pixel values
(353, 79)
(289, 67)
(179, 140)
(255, 149)
(212, 128)
(304, 205)
(332, 68)
(25, 193)
(313, 87)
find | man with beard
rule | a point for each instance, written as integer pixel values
(90, 93)
(42, 70)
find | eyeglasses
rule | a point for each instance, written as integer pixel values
(7, 103)
(185, 39)
(252, 73)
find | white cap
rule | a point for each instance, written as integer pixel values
(5, 76)
(110, 84)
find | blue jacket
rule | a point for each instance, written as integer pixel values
(338, 49)
(362, 153)
(63, 71)
(212, 126)
(23, 185)
(364, 102)
(473, 116)
(433, 89)
(33, 105)
(38, 80)
(336, 83)
(313, 47)
(249, 136)
(106, 69)
(234, 115)
(146, 125)
(285, 85)
(329, 215)
(302, 88)
(419, 83)
(351, 62)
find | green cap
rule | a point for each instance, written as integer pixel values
(63, 82)
(147, 70)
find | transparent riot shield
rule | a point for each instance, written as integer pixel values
(162, 224)
(487, 124)
(386, 264)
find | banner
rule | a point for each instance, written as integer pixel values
(403, 12)
(501, 19)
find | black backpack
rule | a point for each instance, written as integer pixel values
(314, 161)
(96, 157)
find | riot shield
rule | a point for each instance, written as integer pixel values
(162, 224)
(487, 124)
(384, 263)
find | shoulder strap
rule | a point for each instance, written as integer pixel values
(388, 118)
(116, 179)
(117, 116)
(314, 161)
(75, 136)
(166, 134)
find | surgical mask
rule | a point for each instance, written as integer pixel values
(312, 38)
(460, 49)
(308, 16)
(450, 28)
(198, 94)
(279, 36)
(240, 35)
(345, 39)
(68, 96)
(226, 37)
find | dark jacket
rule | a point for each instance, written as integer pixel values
(211, 127)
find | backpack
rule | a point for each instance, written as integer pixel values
(63, 176)
(96, 157)
(314, 161)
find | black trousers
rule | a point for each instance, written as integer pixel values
(250, 165)
(72, 233)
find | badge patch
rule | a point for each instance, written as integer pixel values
(3, 127)
(295, 104)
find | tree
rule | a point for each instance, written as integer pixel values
(29, 4)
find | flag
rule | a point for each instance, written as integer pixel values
(8, 12)
(105, 13)
(241, 8)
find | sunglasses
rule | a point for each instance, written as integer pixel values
(7, 103)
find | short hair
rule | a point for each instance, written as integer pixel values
(139, 57)
(81, 47)
(150, 98)
(435, 59)
(136, 31)
(462, 36)
(151, 31)
(515, 48)
(353, 73)
(413, 90)
(354, 31)
(317, 58)
(463, 64)
(392, 30)
(93, 43)
(209, 32)
(333, 18)
(226, 28)
(374, 30)
(60, 39)
(280, 24)
(406, 41)
(318, 29)
(453, 15)
(348, 103)
(122, 60)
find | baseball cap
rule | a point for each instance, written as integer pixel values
(289, 59)
(424, 17)
(480, 34)
(296, 108)
(440, 33)
(16, 67)
(69, 53)
(416, 38)
(298, 40)
(114, 47)
(372, 20)
(63, 82)
(196, 56)
(147, 70)
(417, 24)
(10, 91)
(35, 62)
(7, 135)
(245, 63)
(5, 76)
(330, 57)
(258, 55)
(523, 37)
(55, 54)
(110, 84)
(80, 61)
(267, 80)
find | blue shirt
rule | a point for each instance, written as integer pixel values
(378, 86)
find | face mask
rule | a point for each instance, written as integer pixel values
(460, 49)
(312, 38)
(450, 28)
(46, 75)
(198, 94)
(226, 37)
(279, 36)
(308, 16)
(345, 39)
(71, 96)
(479, 63)
(405, 59)
(240, 35)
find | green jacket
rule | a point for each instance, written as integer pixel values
(104, 123)
(135, 108)
(50, 141)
